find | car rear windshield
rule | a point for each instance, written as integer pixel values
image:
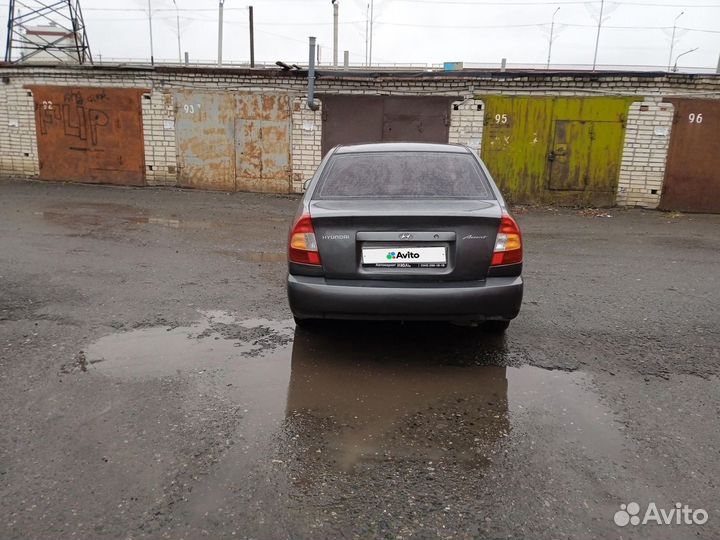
(403, 175)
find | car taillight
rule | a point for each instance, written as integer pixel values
(508, 244)
(302, 245)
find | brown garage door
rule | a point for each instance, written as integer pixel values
(90, 134)
(362, 119)
(692, 173)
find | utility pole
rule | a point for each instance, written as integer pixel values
(220, 30)
(372, 9)
(552, 30)
(152, 53)
(177, 18)
(367, 22)
(252, 37)
(335, 32)
(597, 38)
(672, 39)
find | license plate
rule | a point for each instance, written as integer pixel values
(405, 257)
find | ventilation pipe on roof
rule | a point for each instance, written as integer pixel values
(311, 103)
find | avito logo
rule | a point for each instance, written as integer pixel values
(393, 255)
(630, 514)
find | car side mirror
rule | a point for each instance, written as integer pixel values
(306, 183)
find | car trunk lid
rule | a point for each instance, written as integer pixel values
(431, 240)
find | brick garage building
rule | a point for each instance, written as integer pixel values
(235, 129)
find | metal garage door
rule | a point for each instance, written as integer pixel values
(205, 134)
(360, 119)
(563, 150)
(233, 141)
(90, 134)
(262, 143)
(692, 173)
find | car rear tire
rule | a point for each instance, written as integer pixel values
(496, 327)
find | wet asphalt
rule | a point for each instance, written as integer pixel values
(153, 385)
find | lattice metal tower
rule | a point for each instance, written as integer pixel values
(50, 31)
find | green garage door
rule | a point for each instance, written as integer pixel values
(562, 150)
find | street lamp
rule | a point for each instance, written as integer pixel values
(675, 68)
(672, 39)
(552, 30)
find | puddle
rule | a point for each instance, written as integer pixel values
(165, 350)
(358, 394)
(322, 420)
(409, 395)
(109, 214)
(107, 217)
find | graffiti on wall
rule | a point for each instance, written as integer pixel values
(76, 113)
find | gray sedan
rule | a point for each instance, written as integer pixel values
(404, 231)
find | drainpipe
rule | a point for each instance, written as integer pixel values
(311, 103)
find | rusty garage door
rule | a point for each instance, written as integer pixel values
(90, 134)
(205, 131)
(562, 150)
(233, 141)
(262, 143)
(692, 173)
(360, 119)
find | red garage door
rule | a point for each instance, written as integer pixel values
(692, 173)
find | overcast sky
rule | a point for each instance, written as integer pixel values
(413, 31)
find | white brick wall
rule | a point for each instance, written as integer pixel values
(158, 112)
(647, 137)
(306, 142)
(642, 167)
(466, 123)
(18, 141)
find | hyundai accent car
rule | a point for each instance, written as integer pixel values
(404, 231)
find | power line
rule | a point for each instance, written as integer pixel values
(500, 3)
(141, 10)
(530, 25)
(650, 4)
(481, 3)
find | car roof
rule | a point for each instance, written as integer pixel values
(401, 147)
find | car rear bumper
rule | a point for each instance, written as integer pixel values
(492, 299)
